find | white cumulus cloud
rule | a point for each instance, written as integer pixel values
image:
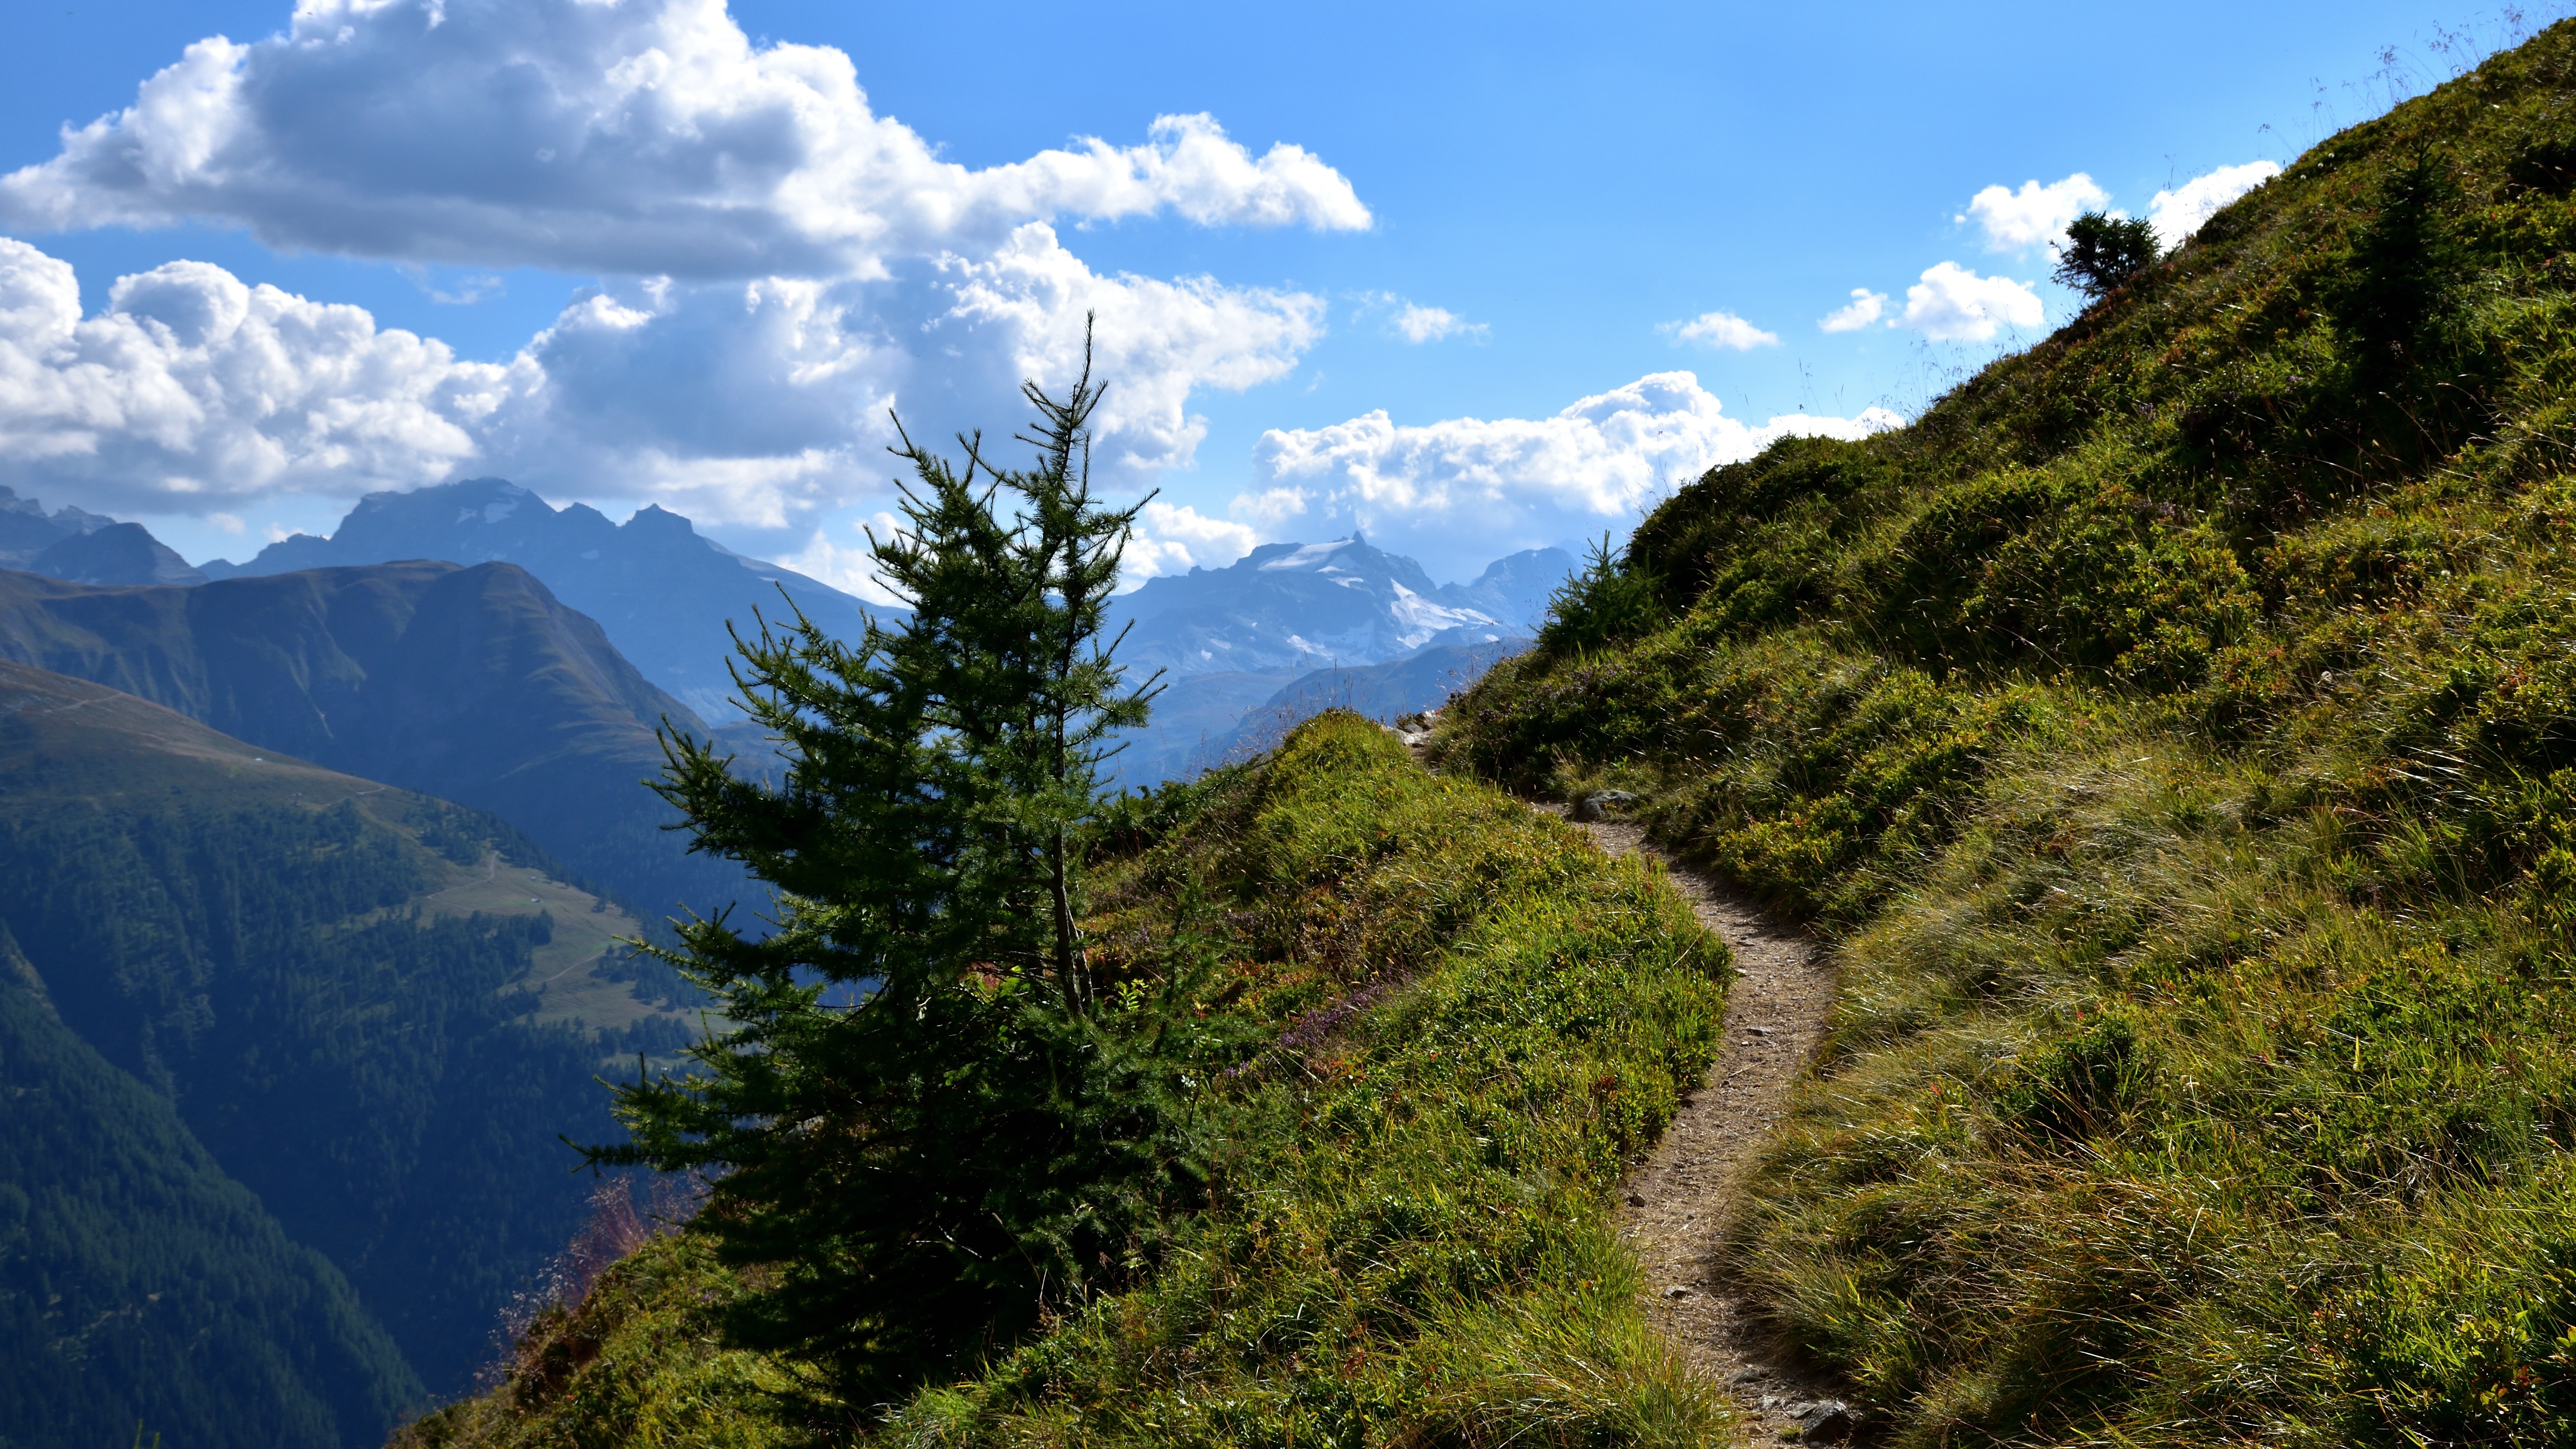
(1864, 308)
(1953, 304)
(1721, 329)
(649, 137)
(756, 403)
(193, 392)
(2176, 214)
(1418, 324)
(1459, 493)
(1175, 538)
(2016, 221)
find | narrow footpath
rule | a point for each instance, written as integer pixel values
(1674, 1206)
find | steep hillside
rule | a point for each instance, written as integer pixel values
(375, 1010)
(2176, 730)
(473, 684)
(1453, 1022)
(138, 1283)
(662, 593)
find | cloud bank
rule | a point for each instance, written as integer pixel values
(1864, 308)
(648, 137)
(1459, 493)
(784, 266)
(1954, 304)
(755, 403)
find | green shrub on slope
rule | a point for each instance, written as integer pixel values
(1471, 1022)
(2176, 730)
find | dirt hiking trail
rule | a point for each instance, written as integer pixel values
(1673, 1207)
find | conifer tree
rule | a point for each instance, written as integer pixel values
(926, 1116)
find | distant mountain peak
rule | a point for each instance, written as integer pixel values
(662, 591)
(1298, 606)
(27, 530)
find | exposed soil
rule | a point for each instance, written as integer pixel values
(1674, 1206)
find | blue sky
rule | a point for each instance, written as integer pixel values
(663, 251)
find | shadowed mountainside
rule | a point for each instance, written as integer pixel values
(473, 684)
(375, 1010)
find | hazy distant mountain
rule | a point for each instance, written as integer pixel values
(662, 592)
(474, 684)
(119, 553)
(26, 530)
(1236, 643)
(1295, 607)
(224, 968)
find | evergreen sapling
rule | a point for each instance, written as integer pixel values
(928, 1118)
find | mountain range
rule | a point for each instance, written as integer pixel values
(661, 592)
(1296, 607)
(1227, 641)
(1292, 628)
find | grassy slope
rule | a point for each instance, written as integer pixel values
(2177, 728)
(1465, 1021)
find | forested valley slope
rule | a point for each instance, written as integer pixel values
(287, 1057)
(2172, 733)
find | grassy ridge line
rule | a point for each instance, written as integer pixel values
(2177, 730)
(1410, 1239)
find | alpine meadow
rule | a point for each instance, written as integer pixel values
(2038, 912)
(2169, 737)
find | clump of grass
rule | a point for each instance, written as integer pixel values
(2175, 733)
(1461, 1023)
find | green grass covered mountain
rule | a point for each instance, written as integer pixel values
(292, 1050)
(2173, 732)
(2175, 728)
(471, 684)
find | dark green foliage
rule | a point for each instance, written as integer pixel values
(2102, 253)
(1607, 602)
(366, 1077)
(2403, 270)
(138, 1282)
(932, 1116)
(2077, 1088)
(469, 837)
